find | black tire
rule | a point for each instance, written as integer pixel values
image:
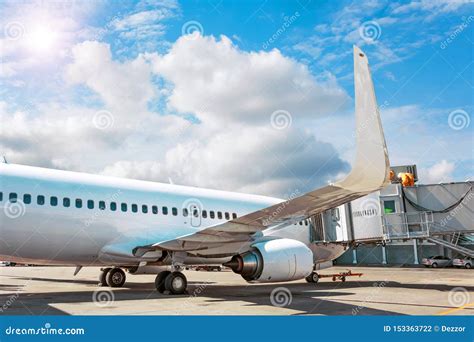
(309, 279)
(176, 283)
(434, 265)
(343, 279)
(103, 276)
(467, 266)
(314, 277)
(115, 277)
(160, 281)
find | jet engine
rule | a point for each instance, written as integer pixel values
(273, 261)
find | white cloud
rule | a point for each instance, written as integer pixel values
(232, 92)
(125, 87)
(220, 83)
(439, 172)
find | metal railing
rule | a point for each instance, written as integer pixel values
(406, 225)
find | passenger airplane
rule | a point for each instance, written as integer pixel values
(53, 217)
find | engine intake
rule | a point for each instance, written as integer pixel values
(273, 261)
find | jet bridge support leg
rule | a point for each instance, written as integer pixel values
(415, 252)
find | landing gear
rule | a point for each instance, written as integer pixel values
(115, 277)
(312, 278)
(160, 281)
(174, 282)
(103, 276)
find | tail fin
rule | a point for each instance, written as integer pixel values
(371, 168)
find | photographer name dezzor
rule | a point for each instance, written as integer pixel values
(423, 328)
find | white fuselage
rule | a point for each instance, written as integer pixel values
(60, 217)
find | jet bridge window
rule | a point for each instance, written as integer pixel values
(101, 205)
(144, 208)
(53, 201)
(211, 214)
(219, 215)
(40, 199)
(123, 207)
(204, 214)
(113, 206)
(154, 209)
(90, 204)
(27, 198)
(134, 208)
(13, 197)
(227, 216)
(174, 211)
(78, 203)
(164, 210)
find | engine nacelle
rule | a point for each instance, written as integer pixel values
(273, 261)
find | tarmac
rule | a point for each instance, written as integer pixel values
(379, 291)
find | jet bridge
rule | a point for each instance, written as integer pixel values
(438, 213)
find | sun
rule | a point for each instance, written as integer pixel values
(41, 39)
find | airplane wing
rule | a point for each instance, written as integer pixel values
(369, 173)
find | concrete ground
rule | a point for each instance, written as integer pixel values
(380, 291)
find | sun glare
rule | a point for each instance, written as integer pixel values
(41, 39)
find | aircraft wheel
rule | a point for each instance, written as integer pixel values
(176, 283)
(103, 276)
(314, 277)
(467, 266)
(115, 277)
(160, 281)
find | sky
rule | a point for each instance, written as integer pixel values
(248, 96)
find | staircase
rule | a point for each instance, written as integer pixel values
(453, 244)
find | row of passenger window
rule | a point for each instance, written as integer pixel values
(113, 206)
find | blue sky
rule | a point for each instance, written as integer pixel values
(186, 90)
